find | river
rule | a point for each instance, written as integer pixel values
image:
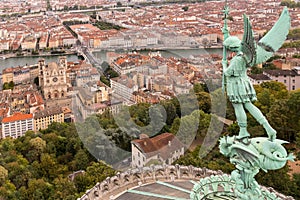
(30, 60)
(179, 53)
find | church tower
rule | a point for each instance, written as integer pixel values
(41, 65)
(53, 79)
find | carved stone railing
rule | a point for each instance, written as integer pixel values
(121, 182)
(224, 187)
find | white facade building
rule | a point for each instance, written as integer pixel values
(16, 125)
(162, 149)
(123, 86)
(257, 79)
(290, 78)
(4, 44)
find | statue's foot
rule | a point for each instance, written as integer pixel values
(243, 136)
(271, 132)
(272, 136)
(243, 133)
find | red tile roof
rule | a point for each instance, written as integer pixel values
(163, 144)
(17, 117)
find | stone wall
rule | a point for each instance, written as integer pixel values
(123, 181)
(112, 187)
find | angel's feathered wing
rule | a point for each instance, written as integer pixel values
(274, 39)
(269, 44)
(248, 46)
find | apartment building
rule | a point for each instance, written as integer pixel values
(123, 86)
(34, 71)
(16, 125)
(21, 75)
(130, 63)
(44, 118)
(29, 43)
(4, 44)
(7, 75)
(85, 74)
(145, 97)
(257, 79)
(290, 78)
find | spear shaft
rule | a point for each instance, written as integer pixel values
(226, 35)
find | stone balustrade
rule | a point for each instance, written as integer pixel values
(123, 181)
(112, 187)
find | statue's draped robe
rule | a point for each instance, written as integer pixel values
(238, 86)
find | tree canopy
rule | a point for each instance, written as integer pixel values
(37, 165)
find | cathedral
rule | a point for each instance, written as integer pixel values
(53, 79)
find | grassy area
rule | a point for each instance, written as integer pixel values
(106, 26)
(105, 80)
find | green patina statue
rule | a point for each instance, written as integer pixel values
(259, 153)
(249, 155)
(238, 86)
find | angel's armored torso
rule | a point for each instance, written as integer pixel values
(238, 86)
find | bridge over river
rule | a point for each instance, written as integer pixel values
(90, 58)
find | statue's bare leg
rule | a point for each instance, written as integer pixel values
(241, 119)
(256, 113)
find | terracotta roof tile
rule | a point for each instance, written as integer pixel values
(278, 72)
(162, 144)
(259, 77)
(17, 117)
(48, 112)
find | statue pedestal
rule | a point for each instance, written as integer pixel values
(248, 156)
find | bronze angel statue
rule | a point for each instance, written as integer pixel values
(239, 89)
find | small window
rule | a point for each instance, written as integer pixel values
(293, 81)
(293, 87)
(284, 81)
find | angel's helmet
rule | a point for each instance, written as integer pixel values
(232, 43)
